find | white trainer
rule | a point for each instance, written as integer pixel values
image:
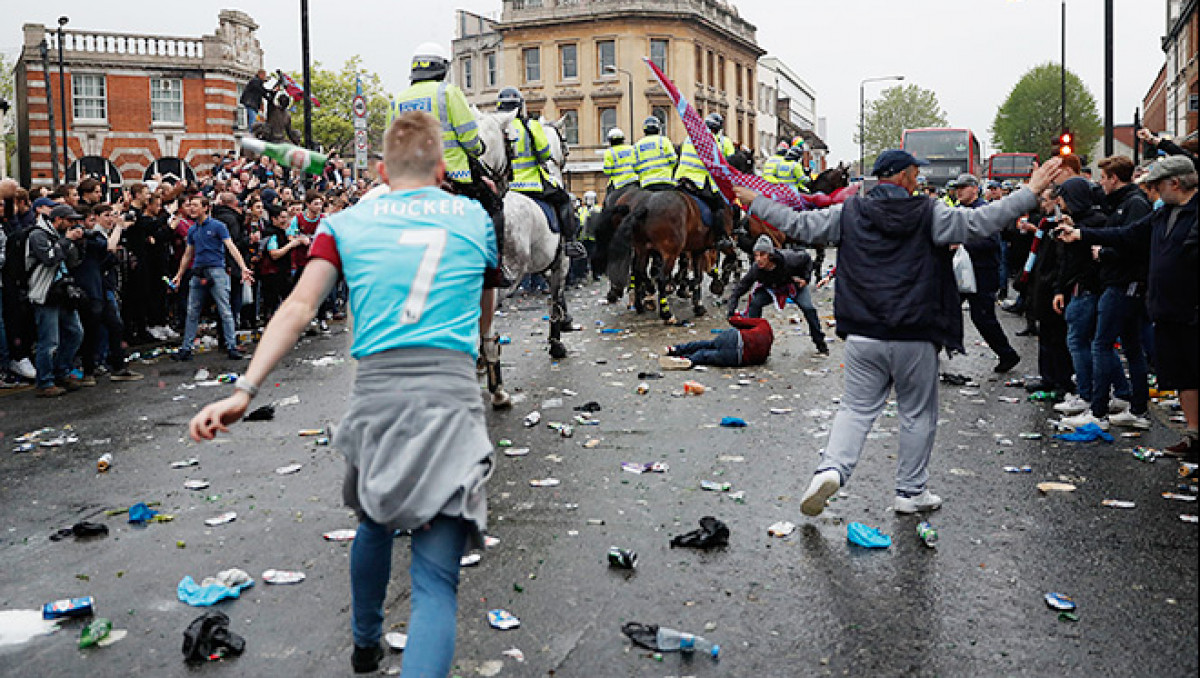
(822, 487)
(1118, 405)
(926, 501)
(670, 362)
(1082, 419)
(1073, 404)
(23, 368)
(1127, 418)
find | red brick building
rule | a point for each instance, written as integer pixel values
(132, 101)
(1173, 103)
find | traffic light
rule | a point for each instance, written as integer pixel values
(1065, 144)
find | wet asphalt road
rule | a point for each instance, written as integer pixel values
(809, 604)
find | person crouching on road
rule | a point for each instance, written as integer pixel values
(782, 275)
(415, 439)
(896, 305)
(748, 343)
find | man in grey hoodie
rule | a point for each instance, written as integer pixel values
(51, 251)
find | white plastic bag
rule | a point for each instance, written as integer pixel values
(964, 271)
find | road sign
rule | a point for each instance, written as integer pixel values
(360, 127)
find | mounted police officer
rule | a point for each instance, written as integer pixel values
(772, 164)
(654, 157)
(619, 161)
(461, 145)
(531, 151)
(693, 178)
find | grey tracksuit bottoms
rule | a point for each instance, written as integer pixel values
(873, 368)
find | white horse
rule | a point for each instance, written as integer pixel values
(529, 244)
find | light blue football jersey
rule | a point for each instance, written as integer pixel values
(413, 261)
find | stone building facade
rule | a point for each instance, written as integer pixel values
(132, 101)
(558, 53)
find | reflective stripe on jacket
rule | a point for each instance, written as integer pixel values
(460, 134)
(692, 167)
(769, 167)
(619, 164)
(655, 162)
(530, 151)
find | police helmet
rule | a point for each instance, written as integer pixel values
(589, 197)
(652, 125)
(922, 180)
(429, 62)
(715, 122)
(782, 148)
(794, 153)
(616, 135)
(509, 99)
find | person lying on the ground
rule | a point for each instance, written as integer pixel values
(749, 343)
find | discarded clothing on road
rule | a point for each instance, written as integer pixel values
(208, 638)
(712, 533)
(1086, 434)
(227, 584)
(80, 529)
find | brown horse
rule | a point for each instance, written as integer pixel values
(667, 224)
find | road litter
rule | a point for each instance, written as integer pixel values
(282, 577)
(545, 482)
(226, 584)
(347, 534)
(590, 406)
(624, 559)
(648, 467)
(227, 517)
(208, 638)
(714, 486)
(288, 470)
(185, 463)
(1086, 434)
(290, 400)
(1018, 469)
(21, 626)
(693, 388)
(1118, 503)
(470, 560)
(781, 529)
(733, 422)
(516, 451)
(1051, 486)
(1146, 454)
(712, 533)
(81, 529)
(264, 413)
(514, 653)
(326, 361)
(195, 484)
(502, 619)
(867, 536)
(140, 513)
(1178, 497)
(532, 419)
(1060, 602)
(396, 641)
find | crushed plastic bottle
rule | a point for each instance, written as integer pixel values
(927, 534)
(670, 640)
(94, 632)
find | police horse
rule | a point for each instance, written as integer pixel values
(530, 246)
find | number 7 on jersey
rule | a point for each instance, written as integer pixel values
(434, 242)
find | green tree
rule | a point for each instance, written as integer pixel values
(8, 93)
(333, 121)
(1030, 119)
(897, 109)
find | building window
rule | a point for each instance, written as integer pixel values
(88, 96)
(533, 63)
(699, 65)
(606, 57)
(166, 100)
(720, 74)
(568, 56)
(737, 82)
(739, 131)
(750, 85)
(489, 60)
(712, 76)
(658, 53)
(664, 117)
(468, 73)
(570, 127)
(608, 120)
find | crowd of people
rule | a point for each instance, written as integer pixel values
(90, 271)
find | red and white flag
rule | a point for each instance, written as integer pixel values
(726, 176)
(295, 91)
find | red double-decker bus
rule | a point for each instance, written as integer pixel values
(950, 152)
(1015, 166)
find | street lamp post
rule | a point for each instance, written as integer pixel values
(862, 118)
(613, 69)
(62, 96)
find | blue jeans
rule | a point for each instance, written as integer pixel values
(724, 351)
(1118, 315)
(208, 281)
(1081, 329)
(4, 357)
(251, 117)
(433, 622)
(59, 335)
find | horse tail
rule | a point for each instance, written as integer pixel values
(604, 227)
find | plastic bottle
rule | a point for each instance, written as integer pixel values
(927, 534)
(670, 640)
(293, 156)
(94, 632)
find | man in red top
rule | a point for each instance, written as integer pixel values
(303, 227)
(749, 343)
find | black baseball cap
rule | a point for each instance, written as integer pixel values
(894, 161)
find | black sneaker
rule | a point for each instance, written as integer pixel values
(366, 659)
(181, 356)
(235, 354)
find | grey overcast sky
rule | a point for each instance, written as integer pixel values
(970, 52)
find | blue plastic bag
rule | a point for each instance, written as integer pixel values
(867, 536)
(139, 513)
(1086, 434)
(733, 422)
(202, 596)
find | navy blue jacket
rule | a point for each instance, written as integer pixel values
(1172, 294)
(985, 258)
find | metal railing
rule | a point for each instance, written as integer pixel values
(99, 42)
